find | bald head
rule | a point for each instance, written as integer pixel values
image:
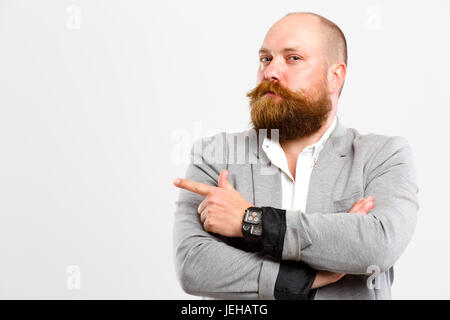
(302, 50)
(333, 39)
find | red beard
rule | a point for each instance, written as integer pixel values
(294, 114)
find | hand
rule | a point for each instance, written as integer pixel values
(324, 278)
(223, 208)
(363, 205)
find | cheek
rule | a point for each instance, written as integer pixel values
(297, 82)
(303, 80)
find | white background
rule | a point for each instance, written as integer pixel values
(98, 100)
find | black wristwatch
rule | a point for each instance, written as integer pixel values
(252, 227)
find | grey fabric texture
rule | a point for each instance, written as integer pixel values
(325, 236)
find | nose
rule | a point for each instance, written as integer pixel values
(273, 71)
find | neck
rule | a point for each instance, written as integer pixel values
(292, 148)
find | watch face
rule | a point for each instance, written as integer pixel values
(256, 230)
(253, 215)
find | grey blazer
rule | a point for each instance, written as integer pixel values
(325, 236)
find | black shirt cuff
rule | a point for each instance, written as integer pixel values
(274, 230)
(294, 281)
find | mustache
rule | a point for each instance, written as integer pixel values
(275, 87)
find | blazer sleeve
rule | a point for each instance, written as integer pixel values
(208, 265)
(351, 243)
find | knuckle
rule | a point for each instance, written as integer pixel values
(212, 209)
(210, 200)
(208, 225)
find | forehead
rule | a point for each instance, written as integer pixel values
(295, 32)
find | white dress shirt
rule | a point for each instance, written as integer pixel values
(295, 191)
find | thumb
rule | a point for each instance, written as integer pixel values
(223, 180)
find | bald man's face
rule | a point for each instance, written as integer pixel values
(293, 54)
(292, 93)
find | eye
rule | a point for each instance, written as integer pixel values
(264, 59)
(295, 58)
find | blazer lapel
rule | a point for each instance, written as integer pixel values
(266, 178)
(329, 165)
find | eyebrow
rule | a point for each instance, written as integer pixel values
(264, 50)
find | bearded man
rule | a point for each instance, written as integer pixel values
(324, 212)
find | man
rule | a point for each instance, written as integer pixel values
(324, 213)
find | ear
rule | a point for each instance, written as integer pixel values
(336, 76)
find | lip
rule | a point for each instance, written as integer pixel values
(272, 95)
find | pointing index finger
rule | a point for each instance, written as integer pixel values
(196, 187)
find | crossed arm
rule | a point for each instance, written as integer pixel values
(375, 238)
(223, 208)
